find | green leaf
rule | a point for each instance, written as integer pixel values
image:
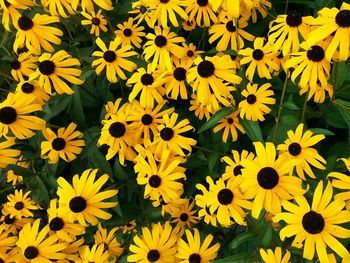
(238, 258)
(341, 74)
(267, 236)
(290, 105)
(344, 108)
(242, 238)
(215, 119)
(75, 109)
(55, 106)
(252, 128)
(322, 131)
(38, 190)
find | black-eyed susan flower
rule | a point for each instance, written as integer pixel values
(312, 66)
(16, 116)
(234, 166)
(284, 32)
(210, 76)
(202, 201)
(58, 8)
(265, 180)
(342, 182)
(97, 253)
(30, 88)
(276, 256)
(7, 154)
(114, 59)
(115, 108)
(191, 52)
(299, 147)
(20, 204)
(6, 239)
(35, 34)
(16, 178)
(13, 224)
(169, 136)
(56, 70)
(36, 246)
(160, 177)
(108, 238)
(164, 10)
(189, 25)
(316, 227)
(149, 84)
(227, 201)
(72, 251)
(193, 250)
(23, 66)
(230, 124)
(65, 230)
(259, 6)
(10, 14)
(129, 227)
(130, 33)
(199, 109)
(96, 20)
(318, 94)
(201, 12)
(66, 144)
(260, 59)
(184, 214)
(88, 5)
(227, 32)
(332, 22)
(142, 10)
(157, 244)
(255, 104)
(84, 200)
(161, 46)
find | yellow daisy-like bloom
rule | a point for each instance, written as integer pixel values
(260, 59)
(30, 88)
(114, 108)
(270, 256)
(102, 236)
(14, 116)
(319, 94)
(312, 65)
(234, 166)
(66, 144)
(194, 250)
(35, 246)
(19, 204)
(254, 107)
(158, 244)
(130, 226)
(332, 22)
(58, 7)
(298, 147)
(8, 155)
(201, 110)
(23, 66)
(191, 52)
(227, 32)
(55, 70)
(169, 136)
(167, 9)
(284, 32)
(88, 5)
(175, 83)
(72, 251)
(130, 33)
(189, 25)
(58, 225)
(341, 181)
(14, 178)
(230, 124)
(265, 180)
(160, 177)
(96, 254)
(202, 201)
(83, 200)
(316, 226)
(261, 6)
(201, 12)
(184, 214)
(114, 59)
(149, 84)
(35, 34)
(10, 14)
(227, 201)
(207, 77)
(96, 20)
(8, 255)
(12, 224)
(161, 46)
(6, 240)
(143, 11)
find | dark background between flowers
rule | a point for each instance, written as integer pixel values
(86, 108)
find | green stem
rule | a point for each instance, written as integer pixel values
(5, 90)
(207, 150)
(286, 8)
(280, 107)
(304, 108)
(7, 76)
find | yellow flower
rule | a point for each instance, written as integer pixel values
(167, 9)
(230, 124)
(269, 256)
(130, 33)
(23, 66)
(19, 204)
(96, 20)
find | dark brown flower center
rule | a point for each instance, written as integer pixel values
(19, 205)
(180, 74)
(58, 144)
(9, 220)
(190, 53)
(294, 149)
(147, 119)
(194, 258)
(8, 115)
(95, 21)
(184, 217)
(27, 88)
(47, 67)
(225, 196)
(258, 54)
(77, 204)
(343, 18)
(31, 252)
(251, 99)
(117, 129)
(313, 222)
(56, 224)
(230, 26)
(167, 134)
(160, 41)
(294, 19)
(7, 4)
(15, 65)
(237, 170)
(202, 2)
(230, 120)
(127, 32)
(268, 178)
(153, 255)
(143, 9)
(109, 56)
(205, 69)
(25, 23)
(154, 181)
(315, 53)
(147, 79)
